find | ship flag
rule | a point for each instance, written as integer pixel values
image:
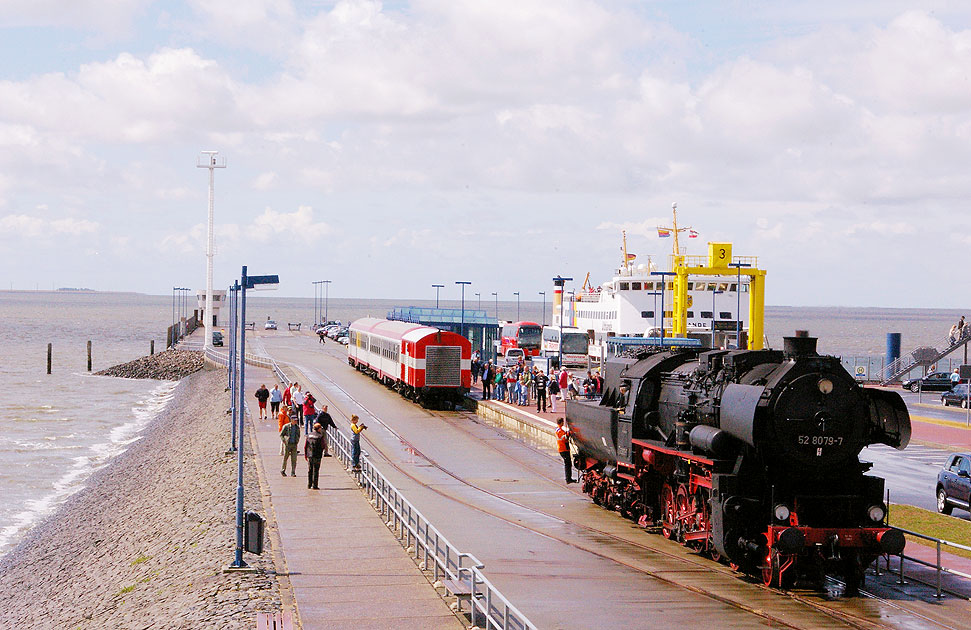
(692, 234)
(663, 232)
(631, 257)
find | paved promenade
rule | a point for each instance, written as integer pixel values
(347, 570)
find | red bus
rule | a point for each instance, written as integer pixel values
(525, 335)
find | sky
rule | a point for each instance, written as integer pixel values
(391, 146)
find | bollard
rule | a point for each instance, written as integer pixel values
(49, 346)
(151, 348)
(89, 355)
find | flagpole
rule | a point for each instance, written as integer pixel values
(674, 211)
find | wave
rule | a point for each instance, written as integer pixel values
(83, 466)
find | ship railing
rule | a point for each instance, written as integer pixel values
(938, 566)
(702, 261)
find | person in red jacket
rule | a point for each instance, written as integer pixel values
(309, 410)
(563, 446)
(564, 383)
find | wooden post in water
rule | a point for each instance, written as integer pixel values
(151, 346)
(89, 355)
(49, 346)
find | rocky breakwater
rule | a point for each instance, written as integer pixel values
(144, 544)
(170, 365)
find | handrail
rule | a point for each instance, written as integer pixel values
(939, 567)
(461, 571)
(903, 364)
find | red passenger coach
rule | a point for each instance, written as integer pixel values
(424, 364)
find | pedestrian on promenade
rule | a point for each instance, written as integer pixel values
(952, 334)
(287, 398)
(309, 411)
(283, 417)
(298, 398)
(488, 373)
(313, 450)
(356, 442)
(563, 380)
(325, 422)
(291, 438)
(563, 447)
(539, 380)
(512, 384)
(276, 396)
(525, 384)
(500, 381)
(262, 394)
(554, 389)
(475, 369)
(960, 326)
(955, 378)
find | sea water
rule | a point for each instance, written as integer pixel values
(57, 429)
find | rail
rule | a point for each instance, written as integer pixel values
(939, 567)
(459, 573)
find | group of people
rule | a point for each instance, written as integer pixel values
(958, 331)
(519, 384)
(293, 406)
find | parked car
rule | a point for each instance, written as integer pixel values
(958, 395)
(954, 483)
(513, 356)
(217, 338)
(939, 381)
(269, 325)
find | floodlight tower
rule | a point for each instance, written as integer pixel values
(211, 163)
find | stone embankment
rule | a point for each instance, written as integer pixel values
(170, 365)
(143, 545)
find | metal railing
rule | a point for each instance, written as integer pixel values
(459, 573)
(939, 568)
(904, 364)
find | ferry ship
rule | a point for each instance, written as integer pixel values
(717, 291)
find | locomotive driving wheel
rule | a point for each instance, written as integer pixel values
(686, 511)
(779, 570)
(668, 512)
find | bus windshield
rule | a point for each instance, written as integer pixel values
(574, 343)
(530, 336)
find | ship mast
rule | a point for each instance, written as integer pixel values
(624, 263)
(674, 211)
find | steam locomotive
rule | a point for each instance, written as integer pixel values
(750, 456)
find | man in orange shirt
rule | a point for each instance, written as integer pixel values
(563, 446)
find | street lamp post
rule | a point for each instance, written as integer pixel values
(655, 294)
(516, 293)
(326, 284)
(479, 296)
(246, 282)
(496, 295)
(438, 287)
(233, 374)
(664, 285)
(172, 329)
(543, 293)
(738, 305)
(560, 282)
(463, 283)
(714, 291)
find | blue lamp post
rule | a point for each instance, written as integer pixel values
(560, 282)
(516, 293)
(463, 283)
(437, 287)
(738, 306)
(664, 287)
(714, 292)
(246, 282)
(543, 293)
(655, 294)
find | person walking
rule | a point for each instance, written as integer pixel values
(309, 411)
(488, 373)
(554, 389)
(313, 450)
(525, 384)
(955, 378)
(512, 384)
(262, 394)
(563, 447)
(325, 421)
(960, 326)
(563, 380)
(356, 430)
(298, 398)
(539, 380)
(291, 438)
(276, 396)
(283, 418)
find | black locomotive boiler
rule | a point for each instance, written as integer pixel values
(751, 456)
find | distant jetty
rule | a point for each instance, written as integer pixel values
(170, 365)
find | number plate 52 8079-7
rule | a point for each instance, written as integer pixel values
(820, 440)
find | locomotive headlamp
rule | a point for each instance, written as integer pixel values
(825, 385)
(781, 512)
(876, 513)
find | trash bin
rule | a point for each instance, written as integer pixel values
(253, 525)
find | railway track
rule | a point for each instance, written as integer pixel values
(834, 610)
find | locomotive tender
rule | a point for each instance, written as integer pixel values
(748, 455)
(429, 366)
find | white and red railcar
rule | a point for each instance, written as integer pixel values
(424, 364)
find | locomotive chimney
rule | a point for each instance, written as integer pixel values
(799, 346)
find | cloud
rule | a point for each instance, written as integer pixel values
(298, 226)
(20, 226)
(103, 15)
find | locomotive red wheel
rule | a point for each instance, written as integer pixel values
(779, 571)
(685, 512)
(668, 512)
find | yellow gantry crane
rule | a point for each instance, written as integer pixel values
(719, 262)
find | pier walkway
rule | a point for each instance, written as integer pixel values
(345, 567)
